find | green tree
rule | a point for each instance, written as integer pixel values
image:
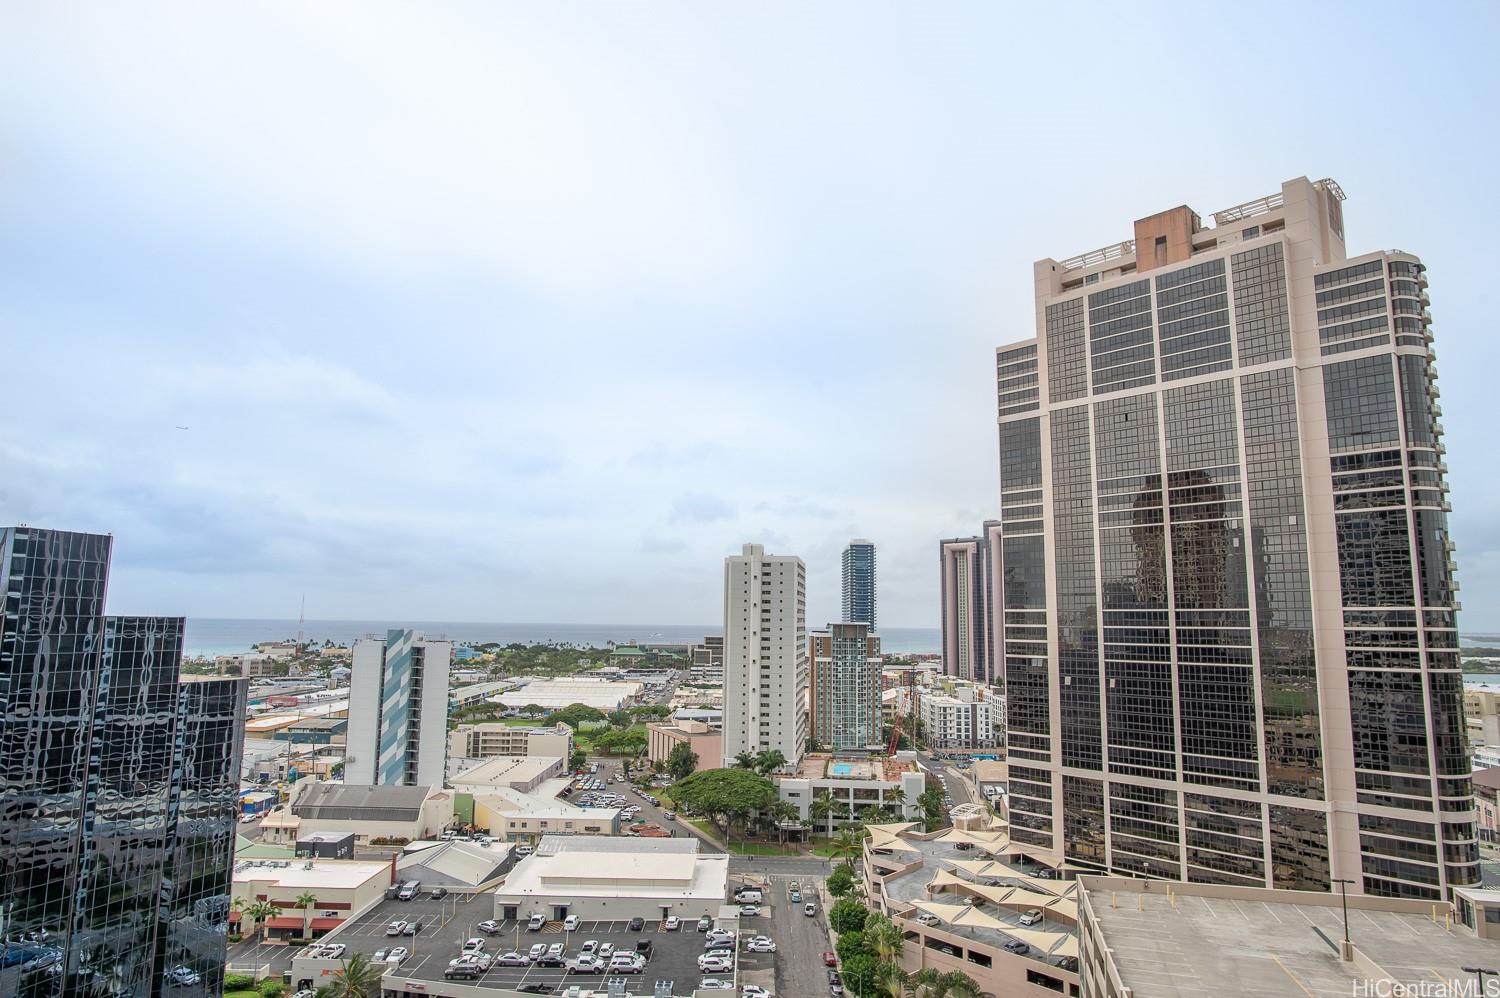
(931, 802)
(769, 761)
(847, 845)
(896, 796)
(357, 978)
(271, 989)
(847, 915)
(884, 937)
(723, 796)
(893, 980)
(745, 760)
(574, 715)
(682, 761)
(840, 881)
(578, 759)
(305, 901)
(619, 719)
(258, 912)
(860, 972)
(851, 943)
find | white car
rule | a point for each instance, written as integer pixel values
(396, 928)
(714, 984)
(536, 952)
(1031, 917)
(474, 945)
(335, 951)
(489, 926)
(673, 923)
(718, 936)
(590, 946)
(570, 924)
(754, 991)
(761, 944)
(749, 910)
(605, 950)
(398, 955)
(556, 950)
(629, 963)
(184, 976)
(713, 963)
(926, 919)
(535, 923)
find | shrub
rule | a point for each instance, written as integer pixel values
(238, 982)
(840, 882)
(847, 915)
(271, 989)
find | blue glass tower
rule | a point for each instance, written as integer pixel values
(859, 583)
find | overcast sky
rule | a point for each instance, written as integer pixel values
(535, 312)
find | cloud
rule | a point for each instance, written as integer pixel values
(701, 507)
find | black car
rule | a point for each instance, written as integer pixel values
(644, 947)
(535, 989)
(833, 977)
(467, 972)
(548, 960)
(637, 923)
(412, 927)
(438, 893)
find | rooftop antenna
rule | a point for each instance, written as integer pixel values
(301, 617)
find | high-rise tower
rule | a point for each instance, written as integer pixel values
(859, 583)
(1225, 577)
(765, 654)
(844, 687)
(119, 786)
(398, 711)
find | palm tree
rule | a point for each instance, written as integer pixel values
(745, 760)
(928, 983)
(259, 911)
(781, 812)
(305, 901)
(357, 978)
(895, 980)
(884, 937)
(957, 984)
(897, 797)
(821, 810)
(846, 845)
(769, 761)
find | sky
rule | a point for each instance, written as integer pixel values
(535, 312)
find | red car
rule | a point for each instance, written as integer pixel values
(830, 960)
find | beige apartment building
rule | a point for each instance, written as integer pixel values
(765, 654)
(706, 741)
(481, 741)
(1228, 617)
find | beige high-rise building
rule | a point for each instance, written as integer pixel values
(765, 654)
(1225, 579)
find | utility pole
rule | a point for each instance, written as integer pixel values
(1348, 953)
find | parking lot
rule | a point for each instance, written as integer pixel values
(795, 970)
(446, 926)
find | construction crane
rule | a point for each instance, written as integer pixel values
(911, 702)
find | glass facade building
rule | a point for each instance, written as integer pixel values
(844, 688)
(1226, 604)
(859, 583)
(120, 787)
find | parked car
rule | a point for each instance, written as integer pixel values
(183, 976)
(514, 959)
(590, 946)
(754, 991)
(715, 984)
(556, 949)
(398, 955)
(927, 919)
(748, 895)
(830, 958)
(380, 955)
(489, 926)
(473, 945)
(438, 893)
(672, 924)
(535, 923)
(637, 924)
(570, 924)
(1018, 947)
(761, 944)
(412, 927)
(536, 952)
(585, 963)
(749, 910)
(715, 965)
(627, 963)
(705, 923)
(335, 951)
(719, 936)
(1031, 917)
(834, 977)
(395, 928)
(535, 989)
(835, 991)
(644, 947)
(605, 950)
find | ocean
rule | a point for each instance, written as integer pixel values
(207, 636)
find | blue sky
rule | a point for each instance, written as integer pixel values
(535, 312)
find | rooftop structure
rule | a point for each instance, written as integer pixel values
(621, 876)
(523, 773)
(1140, 938)
(601, 694)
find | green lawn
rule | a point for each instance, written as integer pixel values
(242, 994)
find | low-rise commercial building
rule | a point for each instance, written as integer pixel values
(326, 845)
(342, 889)
(520, 773)
(705, 740)
(313, 731)
(518, 817)
(971, 900)
(390, 813)
(477, 693)
(614, 878)
(554, 694)
(457, 866)
(1171, 939)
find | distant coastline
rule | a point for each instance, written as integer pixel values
(209, 636)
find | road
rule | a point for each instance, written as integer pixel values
(795, 970)
(956, 782)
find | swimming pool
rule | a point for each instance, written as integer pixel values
(840, 769)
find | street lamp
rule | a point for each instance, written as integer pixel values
(1479, 973)
(1344, 897)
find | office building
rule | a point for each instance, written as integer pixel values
(119, 790)
(859, 583)
(1229, 637)
(703, 739)
(398, 711)
(765, 654)
(844, 687)
(709, 654)
(967, 594)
